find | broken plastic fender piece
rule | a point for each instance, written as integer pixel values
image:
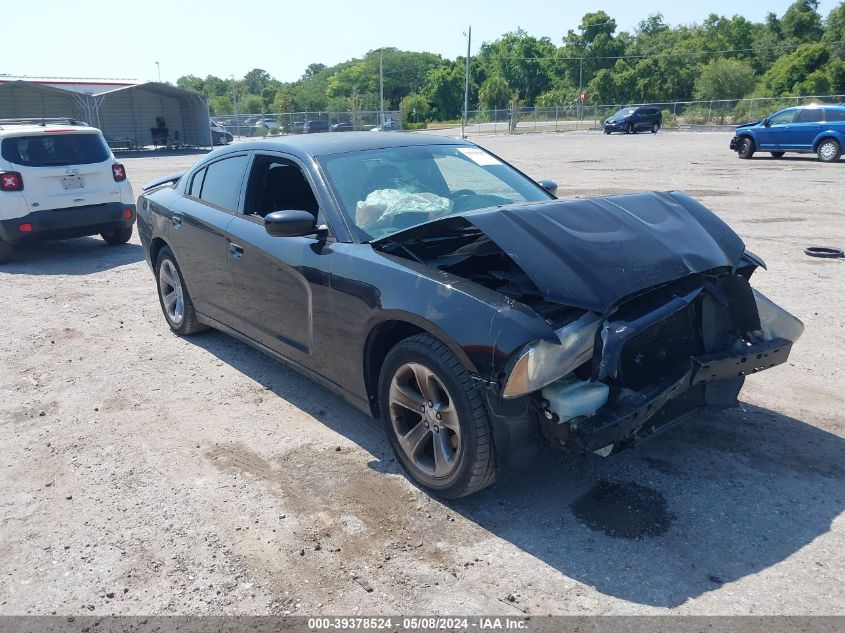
(775, 322)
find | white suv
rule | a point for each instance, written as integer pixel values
(59, 179)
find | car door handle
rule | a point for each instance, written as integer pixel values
(236, 250)
(176, 221)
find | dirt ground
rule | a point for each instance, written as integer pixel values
(143, 473)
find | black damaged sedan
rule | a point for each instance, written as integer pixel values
(436, 287)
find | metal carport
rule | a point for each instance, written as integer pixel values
(24, 99)
(131, 112)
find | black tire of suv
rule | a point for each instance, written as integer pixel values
(777, 154)
(476, 468)
(655, 128)
(746, 148)
(190, 324)
(629, 129)
(7, 251)
(118, 236)
(837, 151)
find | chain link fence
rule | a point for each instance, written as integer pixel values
(517, 120)
(282, 123)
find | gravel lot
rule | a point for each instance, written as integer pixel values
(143, 473)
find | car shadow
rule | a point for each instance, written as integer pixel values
(714, 500)
(80, 256)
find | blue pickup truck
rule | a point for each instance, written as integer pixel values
(818, 129)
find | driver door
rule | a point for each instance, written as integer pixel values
(775, 136)
(280, 285)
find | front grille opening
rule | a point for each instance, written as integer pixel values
(659, 349)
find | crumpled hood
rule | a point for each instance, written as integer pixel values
(592, 253)
(750, 124)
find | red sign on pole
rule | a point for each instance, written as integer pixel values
(582, 96)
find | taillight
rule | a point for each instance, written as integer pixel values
(119, 172)
(25, 228)
(127, 213)
(11, 181)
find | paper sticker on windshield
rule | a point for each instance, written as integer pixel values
(479, 156)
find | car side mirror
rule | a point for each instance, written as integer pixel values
(290, 224)
(548, 185)
(766, 122)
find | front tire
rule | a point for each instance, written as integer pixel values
(435, 419)
(173, 296)
(829, 151)
(117, 236)
(746, 148)
(655, 128)
(7, 251)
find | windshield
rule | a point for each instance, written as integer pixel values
(55, 149)
(383, 191)
(624, 112)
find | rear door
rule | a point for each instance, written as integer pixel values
(808, 124)
(63, 169)
(198, 232)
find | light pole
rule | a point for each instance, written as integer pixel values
(235, 99)
(158, 68)
(466, 86)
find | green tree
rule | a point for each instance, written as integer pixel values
(255, 81)
(793, 68)
(414, 108)
(724, 79)
(495, 93)
(444, 90)
(802, 21)
(523, 61)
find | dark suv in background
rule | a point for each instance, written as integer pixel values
(634, 119)
(312, 127)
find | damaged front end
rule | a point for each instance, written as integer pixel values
(662, 356)
(647, 297)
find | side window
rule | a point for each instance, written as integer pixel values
(196, 184)
(278, 185)
(784, 116)
(834, 115)
(810, 115)
(222, 184)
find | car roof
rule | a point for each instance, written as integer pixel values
(36, 129)
(330, 143)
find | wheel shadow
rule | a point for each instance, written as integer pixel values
(79, 256)
(721, 497)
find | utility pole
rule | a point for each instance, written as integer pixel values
(381, 86)
(580, 85)
(235, 99)
(158, 67)
(466, 86)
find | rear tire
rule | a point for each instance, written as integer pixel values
(777, 154)
(176, 304)
(449, 454)
(118, 236)
(746, 148)
(829, 151)
(7, 251)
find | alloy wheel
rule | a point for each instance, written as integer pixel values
(172, 297)
(827, 151)
(425, 419)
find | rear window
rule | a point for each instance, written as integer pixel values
(810, 115)
(835, 115)
(55, 149)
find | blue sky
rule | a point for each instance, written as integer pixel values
(125, 38)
